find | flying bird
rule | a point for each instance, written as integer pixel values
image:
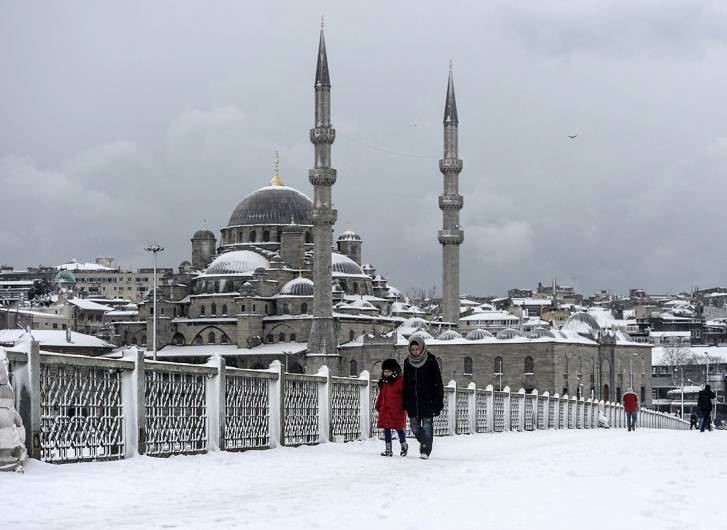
(571, 137)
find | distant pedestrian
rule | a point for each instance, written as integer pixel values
(423, 393)
(390, 406)
(693, 420)
(704, 404)
(631, 408)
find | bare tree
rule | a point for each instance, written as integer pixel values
(678, 356)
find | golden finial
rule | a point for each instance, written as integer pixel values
(276, 180)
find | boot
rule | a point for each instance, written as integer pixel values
(404, 449)
(387, 451)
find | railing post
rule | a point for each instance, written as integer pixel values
(33, 441)
(490, 400)
(365, 405)
(507, 411)
(275, 397)
(324, 405)
(555, 402)
(132, 399)
(536, 405)
(215, 390)
(472, 400)
(452, 396)
(521, 410)
(545, 398)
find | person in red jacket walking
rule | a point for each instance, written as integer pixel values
(390, 406)
(631, 407)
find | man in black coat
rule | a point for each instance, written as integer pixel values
(704, 403)
(423, 393)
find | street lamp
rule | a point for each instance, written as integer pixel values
(631, 369)
(154, 249)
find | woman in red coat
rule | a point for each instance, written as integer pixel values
(390, 405)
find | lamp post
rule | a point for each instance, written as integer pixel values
(154, 249)
(631, 369)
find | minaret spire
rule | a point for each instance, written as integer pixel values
(322, 342)
(277, 180)
(450, 202)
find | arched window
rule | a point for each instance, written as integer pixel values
(351, 335)
(253, 236)
(353, 368)
(242, 308)
(303, 307)
(292, 337)
(498, 365)
(355, 287)
(468, 365)
(280, 235)
(224, 339)
(266, 235)
(213, 310)
(197, 340)
(240, 238)
(202, 311)
(286, 308)
(134, 341)
(307, 237)
(211, 338)
(143, 339)
(281, 337)
(529, 365)
(269, 338)
(224, 309)
(179, 339)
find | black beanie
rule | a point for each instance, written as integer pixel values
(391, 364)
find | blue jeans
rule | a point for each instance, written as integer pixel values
(400, 432)
(631, 420)
(423, 429)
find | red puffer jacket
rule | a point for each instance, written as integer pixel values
(631, 402)
(390, 405)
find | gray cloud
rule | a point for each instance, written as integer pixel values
(121, 124)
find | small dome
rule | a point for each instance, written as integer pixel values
(298, 287)
(422, 335)
(582, 323)
(237, 262)
(185, 263)
(204, 234)
(415, 322)
(479, 334)
(65, 276)
(273, 205)
(343, 265)
(450, 334)
(394, 293)
(349, 235)
(540, 332)
(509, 333)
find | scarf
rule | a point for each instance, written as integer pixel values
(418, 362)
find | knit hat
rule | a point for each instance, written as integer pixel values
(391, 364)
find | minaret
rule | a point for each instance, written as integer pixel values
(322, 342)
(450, 202)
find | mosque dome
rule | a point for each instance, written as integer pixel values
(415, 322)
(422, 335)
(204, 234)
(509, 333)
(65, 276)
(479, 334)
(343, 265)
(237, 262)
(450, 334)
(298, 287)
(273, 205)
(540, 332)
(349, 235)
(582, 323)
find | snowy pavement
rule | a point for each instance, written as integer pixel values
(539, 480)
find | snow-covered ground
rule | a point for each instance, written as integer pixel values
(539, 480)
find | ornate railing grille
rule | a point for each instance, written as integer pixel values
(441, 422)
(552, 405)
(81, 414)
(176, 413)
(499, 406)
(481, 417)
(463, 413)
(594, 415)
(345, 410)
(571, 414)
(247, 413)
(300, 405)
(529, 409)
(542, 413)
(579, 414)
(587, 416)
(563, 413)
(516, 401)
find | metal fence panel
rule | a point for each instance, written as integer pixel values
(529, 412)
(345, 410)
(481, 414)
(463, 412)
(247, 413)
(499, 406)
(300, 409)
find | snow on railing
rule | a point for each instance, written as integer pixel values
(78, 408)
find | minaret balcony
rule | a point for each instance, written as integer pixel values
(450, 237)
(451, 202)
(324, 216)
(322, 176)
(450, 164)
(322, 135)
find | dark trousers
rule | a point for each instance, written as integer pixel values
(400, 432)
(706, 421)
(423, 429)
(631, 420)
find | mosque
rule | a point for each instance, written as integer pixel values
(274, 286)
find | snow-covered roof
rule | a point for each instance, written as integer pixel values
(76, 266)
(88, 305)
(658, 334)
(52, 337)
(231, 350)
(491, 316)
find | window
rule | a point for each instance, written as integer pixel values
(355, 288)
(307, 237)
(529, 365)
(179, 339)
(202, 311)
(143, 339)
(498, 365)
(353, 368)
(225, 339)
(253, 236)
(303, 307)
(351, 335)
(224, 309)
(643, 394)
(213, 310)
(197, 340)
(55, 326)
(269, 338)
(292, 337)
(468, 365)
(281, 337)
(286, 308)
(266, 235)
(242, 308)
(211, 338)
(253, 308)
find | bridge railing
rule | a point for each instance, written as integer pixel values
(78, 408)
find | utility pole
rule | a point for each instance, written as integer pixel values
(154, 249)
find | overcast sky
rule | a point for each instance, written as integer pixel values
(128, 122)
